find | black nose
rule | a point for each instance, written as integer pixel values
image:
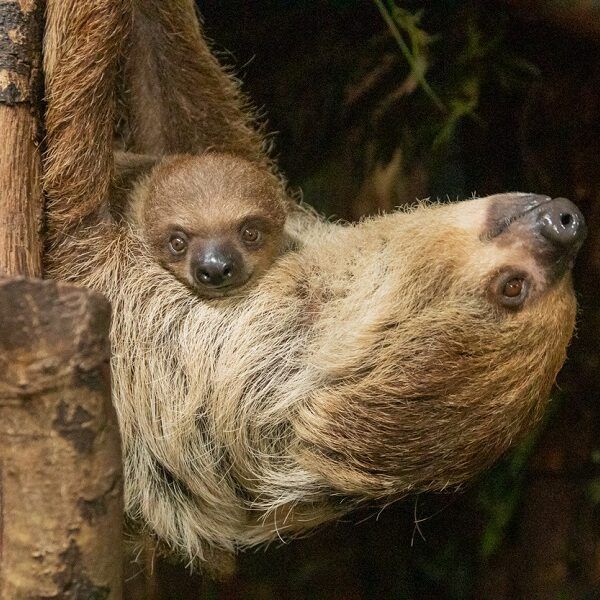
(214, 273)
(562, 224)
(216, 268)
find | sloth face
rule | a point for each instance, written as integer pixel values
(529, 240)
(470, 312)
(214, 221)
(221, 261)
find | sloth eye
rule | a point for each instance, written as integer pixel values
(511, 289)
(177, 244)
(251, 235)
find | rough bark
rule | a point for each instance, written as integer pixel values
(20, 164)
(60, 461)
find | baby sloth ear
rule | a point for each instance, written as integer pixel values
(129, 167)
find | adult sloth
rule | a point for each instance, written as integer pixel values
(401, 354)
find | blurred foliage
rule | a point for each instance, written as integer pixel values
(593, 491)
(500, 491)
(402, 21)
(460, 65)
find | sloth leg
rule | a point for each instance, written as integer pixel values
(82, 48)
(177, 97)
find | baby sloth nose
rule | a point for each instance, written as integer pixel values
(216, 267)
(562, 224)
(214, 272)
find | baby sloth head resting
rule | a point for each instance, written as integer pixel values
(215, 221)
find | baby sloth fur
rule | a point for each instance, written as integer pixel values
(370, 361)
(215, 221)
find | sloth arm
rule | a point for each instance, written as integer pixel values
(82, 48)
(177, 97)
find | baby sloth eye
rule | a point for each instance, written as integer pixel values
(177, 244)
(251, 235)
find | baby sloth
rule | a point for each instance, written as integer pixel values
(215, 221)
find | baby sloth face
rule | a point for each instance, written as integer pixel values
(215, 221)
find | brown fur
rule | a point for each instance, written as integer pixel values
(210, 199)
(81, 58)
(370, 361)
(177, 98)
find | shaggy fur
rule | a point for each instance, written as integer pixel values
(369, 362)
(81, 59)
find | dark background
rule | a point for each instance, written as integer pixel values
(514, 105)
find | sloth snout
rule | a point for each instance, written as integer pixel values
(556, 223)
(562, 224)
(217, 267)
(214, 273)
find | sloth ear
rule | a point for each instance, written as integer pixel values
(129, 168)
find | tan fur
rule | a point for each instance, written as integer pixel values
(366, 364)
(211, 197)
(370, 361)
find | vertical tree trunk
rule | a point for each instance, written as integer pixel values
(60, 459)
(20, 164)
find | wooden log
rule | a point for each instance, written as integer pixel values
(60, 459)
(21, 199)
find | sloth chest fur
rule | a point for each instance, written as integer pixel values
(181, 357)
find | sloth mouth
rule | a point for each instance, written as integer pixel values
(231, 290)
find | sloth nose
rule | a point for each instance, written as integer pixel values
(214, 273)
(553, 228)
(562, 224)
(216, 268)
